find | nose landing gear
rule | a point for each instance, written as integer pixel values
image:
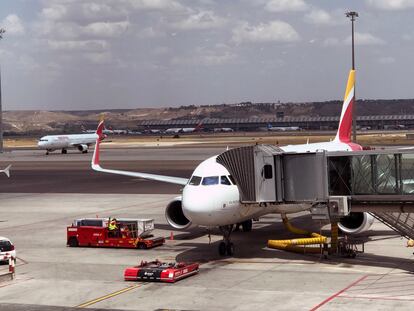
(226, 247)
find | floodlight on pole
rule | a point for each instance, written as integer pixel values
(2, 31)
(352, 16)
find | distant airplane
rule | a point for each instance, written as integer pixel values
(177, 130)
(79, 141)
(223, 129)
(282, 128)
(6, 170)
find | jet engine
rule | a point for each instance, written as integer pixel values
(83, 148)
(175, 216)
(356, 222)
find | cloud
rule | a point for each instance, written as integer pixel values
(106, 29)
(391, 4)
(275, 31)
(365, 39)
(162, 5)
(98, 58)
(220, 55)
(200, 20)
(150, 32)
(285, 5)
(319, 17)
(386, 60)
(360, 39)
(78, 45)
(13, 25)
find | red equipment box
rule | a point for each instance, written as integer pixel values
(131, 233)
(160, 271)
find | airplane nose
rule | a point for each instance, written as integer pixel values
(206, 206)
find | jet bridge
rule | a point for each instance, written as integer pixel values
(380, 182)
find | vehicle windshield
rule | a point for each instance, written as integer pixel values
(195, 181)
(5, 246)
(210, 180)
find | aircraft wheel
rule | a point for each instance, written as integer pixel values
(222, 249)
(247, 225)
(85, 151)
(64, 151)
(230, 249)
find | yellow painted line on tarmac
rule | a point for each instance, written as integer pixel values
(119, 292)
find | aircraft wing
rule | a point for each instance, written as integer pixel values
(95, 164)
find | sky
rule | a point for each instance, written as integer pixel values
(112, 54)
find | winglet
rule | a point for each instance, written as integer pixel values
(100, 136)
(345, 122)
(6, 170)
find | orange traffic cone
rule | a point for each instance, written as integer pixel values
(171, 236)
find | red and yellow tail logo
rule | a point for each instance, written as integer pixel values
(345, 122)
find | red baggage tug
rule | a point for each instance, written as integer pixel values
(160, 271)
(127, 233)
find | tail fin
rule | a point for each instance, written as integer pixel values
(345, 122)
(6, 170)
(99, 130)
(95, 158)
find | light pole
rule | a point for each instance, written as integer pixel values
(352, 16)
(2, 31)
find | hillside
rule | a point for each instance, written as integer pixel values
(35, 122)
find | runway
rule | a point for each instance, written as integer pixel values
(34, 172)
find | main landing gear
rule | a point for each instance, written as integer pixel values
(226, 247)
(64, 151)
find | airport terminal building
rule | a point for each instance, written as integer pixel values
(375, 122)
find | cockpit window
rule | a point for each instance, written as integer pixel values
(210, 180)
(43, 139)
(224, 180)
(233, 181)
(195, 181)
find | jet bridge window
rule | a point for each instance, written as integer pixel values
(224, 181)
(267, 171)
(210, 180)
(195, 181)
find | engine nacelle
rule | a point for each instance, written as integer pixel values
(175, 216)
(83, 148)
(356, 223)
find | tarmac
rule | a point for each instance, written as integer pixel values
(46, 193)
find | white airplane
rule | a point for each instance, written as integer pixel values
(223, 129)
(283, 128)
(211, 198)
(6, 170)
(80, 141)
(174, 130)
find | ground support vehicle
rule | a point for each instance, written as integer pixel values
(7, 250)
(160, 271)
(130, 233)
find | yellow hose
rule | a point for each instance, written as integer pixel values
(301, 245)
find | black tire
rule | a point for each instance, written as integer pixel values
(222, 248)
(142, 246)
(85, 151)
(230, 249)
(247, 225)
(73, 242)
(64, 151)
